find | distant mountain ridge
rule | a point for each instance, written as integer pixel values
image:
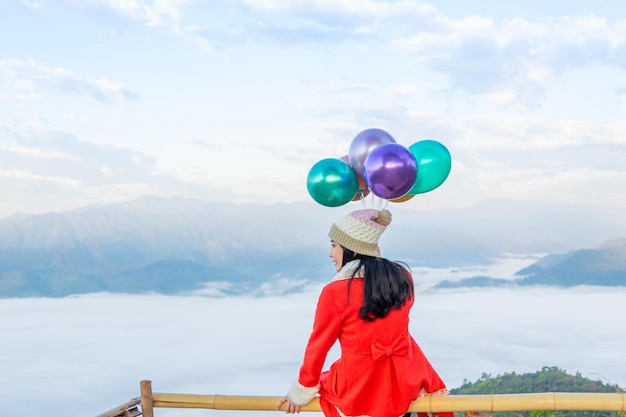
(175, 245)
(604, 266)
(147, 245)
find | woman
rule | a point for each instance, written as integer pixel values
(366, 306)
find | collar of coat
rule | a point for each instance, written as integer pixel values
(347, 271)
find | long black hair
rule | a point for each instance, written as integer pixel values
(387, 284)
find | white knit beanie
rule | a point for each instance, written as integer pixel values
(359, 231)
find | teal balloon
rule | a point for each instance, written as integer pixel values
(332, 183)
(433, 165)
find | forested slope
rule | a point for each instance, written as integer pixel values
(549, 379)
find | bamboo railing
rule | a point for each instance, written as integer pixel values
(128, 409)
(550, 401)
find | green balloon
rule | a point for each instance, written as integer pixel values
(433, 165)
(332, 183)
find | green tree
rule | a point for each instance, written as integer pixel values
(549, 379)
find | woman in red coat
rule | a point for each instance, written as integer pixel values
(366, 306)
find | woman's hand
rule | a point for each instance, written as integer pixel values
(290, 408)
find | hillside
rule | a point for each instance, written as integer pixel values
(150, 244)
(604, 266)
(549, 379)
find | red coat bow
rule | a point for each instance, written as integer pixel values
(399, 347)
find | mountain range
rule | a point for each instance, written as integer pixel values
(175, 245)
(604, 265)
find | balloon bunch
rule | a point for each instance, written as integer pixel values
(376, 163)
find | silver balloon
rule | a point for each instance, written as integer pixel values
(364, 143)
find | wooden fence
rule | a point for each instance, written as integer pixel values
(549, 401)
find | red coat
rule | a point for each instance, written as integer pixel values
(381, 368)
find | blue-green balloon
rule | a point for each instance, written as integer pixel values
(433, 165)
(332, 183)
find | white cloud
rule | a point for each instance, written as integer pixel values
(131, 8)
(22, 175)
(30, 79)
(528, 56)
(35, 152)
(478, 53)
(40, 153)
(113, 92)
(161, 13)
(405, 89)
(503, 97)
(31, 4)
(523, 133)
(91, 352)
(375, 10)
(204, 44)
(268, 87)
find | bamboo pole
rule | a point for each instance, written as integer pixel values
(550, 401)
(224, 402)
(147, 400)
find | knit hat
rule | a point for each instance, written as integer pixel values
(359, 231)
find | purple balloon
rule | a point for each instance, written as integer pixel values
(390, 171)
(363, 144)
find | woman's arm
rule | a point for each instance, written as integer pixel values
(326, 328)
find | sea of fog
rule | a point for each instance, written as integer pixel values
(83, 355)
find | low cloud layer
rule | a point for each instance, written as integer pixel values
(84, 355)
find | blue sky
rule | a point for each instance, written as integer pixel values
(106, 100)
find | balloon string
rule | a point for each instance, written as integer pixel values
(377, 203)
